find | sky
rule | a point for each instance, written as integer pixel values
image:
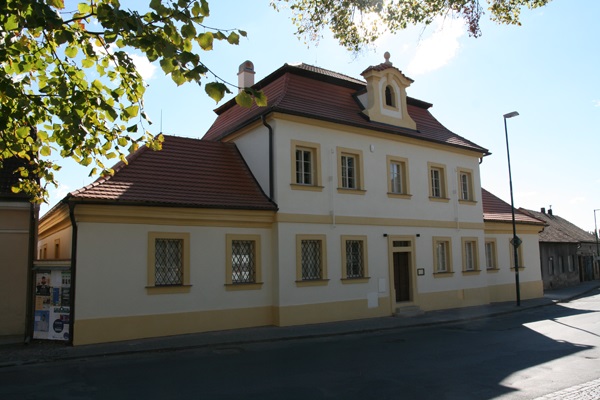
(547, 69)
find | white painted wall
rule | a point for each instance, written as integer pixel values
(375, 202)
(112, 272)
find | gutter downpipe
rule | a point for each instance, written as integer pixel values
(73, 269)
(271, 158)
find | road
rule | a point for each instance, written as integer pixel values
(550, 352)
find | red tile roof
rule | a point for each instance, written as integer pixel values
(185, 173)
(497, 210)
(316, 93)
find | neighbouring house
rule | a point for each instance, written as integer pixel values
(17, 245)
(342, 199)
(566, 251)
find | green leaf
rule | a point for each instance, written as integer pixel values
(244, 99)
(23, 132)
(87, 63)
(215, 90)
(233, 38)
(12, 23)
(84, 8)
(45, 151)
(204, 10)
(205, 40)
(260, 99)
(57, 3)
(71, 51)
(131, 111)
(188, 31)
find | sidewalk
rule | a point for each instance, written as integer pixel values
(13, 354)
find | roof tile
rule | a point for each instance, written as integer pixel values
(186, 172)
(497, 210)
(325, 95)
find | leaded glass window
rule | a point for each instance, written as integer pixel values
(168, 256)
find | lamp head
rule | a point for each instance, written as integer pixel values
(511, 114)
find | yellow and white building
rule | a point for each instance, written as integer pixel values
(342, 199)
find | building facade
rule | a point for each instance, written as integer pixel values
(342, 199)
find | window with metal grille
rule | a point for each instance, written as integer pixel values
(243, 261)
(311, 260)
(168, 264)
(436, 182)
(354, 259)
(304, 166)
(349, 178)
(490, 255)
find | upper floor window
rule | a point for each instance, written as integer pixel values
(350, 170)
(465, 181)
(437, 181)
(390, 96)
(306, 165)
(397, 176)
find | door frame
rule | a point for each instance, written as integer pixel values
(412, 269)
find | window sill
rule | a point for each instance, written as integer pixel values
(313, 282)
(467, 202)
(439, 199)
(168, 289)
(355, 280)
(493, 270)
(520, 268)
(232, 287)
(351, 191)
(443, 274)
(475, 272)
(392, 195)
(310, 188)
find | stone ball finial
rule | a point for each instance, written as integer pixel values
(386, 55)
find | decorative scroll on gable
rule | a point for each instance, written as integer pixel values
(385, 100)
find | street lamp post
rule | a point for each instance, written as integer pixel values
(516, 242)
(596, 234)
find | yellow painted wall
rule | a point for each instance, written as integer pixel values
(14, 257)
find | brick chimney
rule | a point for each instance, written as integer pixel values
(246, 75)
(543, 210)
